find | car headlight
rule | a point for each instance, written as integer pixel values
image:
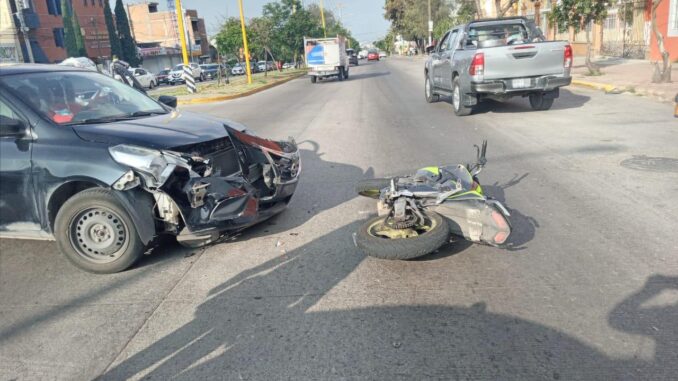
(159, 165)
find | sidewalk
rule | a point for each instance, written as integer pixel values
(625, 75)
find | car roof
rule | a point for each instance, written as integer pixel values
(22, 68)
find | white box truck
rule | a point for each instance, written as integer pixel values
(326, 57)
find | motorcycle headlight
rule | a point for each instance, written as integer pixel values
(157, 164)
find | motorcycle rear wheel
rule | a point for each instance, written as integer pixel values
(432, 236)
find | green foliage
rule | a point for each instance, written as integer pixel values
(128, 47)
(70, 40)
(577, 14)
(79, 40)
(280, 30)
(112, 33)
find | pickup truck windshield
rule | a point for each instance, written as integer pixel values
(80, 97)
(488, 36)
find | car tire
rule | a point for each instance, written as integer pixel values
(346, 73)
(341, 74)
(314, 79)
(403, 248)
(431, 97)
(94, 231)
(151, 85)
(539, 103)
(458, 99)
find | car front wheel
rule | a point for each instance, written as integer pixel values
(95, 232)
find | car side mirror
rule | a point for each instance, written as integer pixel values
(10, 127)
(430, 49)
(168, 100)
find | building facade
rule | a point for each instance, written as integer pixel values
(10, 47)
(44, 28)
(153, 27)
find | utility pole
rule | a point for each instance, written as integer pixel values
(24, 30)
(430, 23)
(244, 41)
(322, 18)
(188, 71)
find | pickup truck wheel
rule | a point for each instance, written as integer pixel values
(341, 74)
(346, 74)
(314, 79)
(458, 100)
(95, 232)
(431, 97)
(539, 103)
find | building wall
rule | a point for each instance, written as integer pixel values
(10, 48)
(158, 27)
(92, 22)
(664, 18)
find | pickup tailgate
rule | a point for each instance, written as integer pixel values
(524, 60)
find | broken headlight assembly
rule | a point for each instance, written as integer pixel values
(157, 166)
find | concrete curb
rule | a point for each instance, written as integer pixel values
(220, 98)
(594, 85)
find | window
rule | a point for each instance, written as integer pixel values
(450, 43)
(58, 37)
(84, 2)
(6, 111)
(673, 19)
(152, 8)
(92, 2)
(54, 7)
(101, 3)
(443, 42)
(610, 21)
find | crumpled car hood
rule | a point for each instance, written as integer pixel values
(159, 132)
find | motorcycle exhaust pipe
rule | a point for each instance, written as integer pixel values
(477, 220)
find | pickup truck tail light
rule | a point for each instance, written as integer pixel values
(477, 68)
(567, 59)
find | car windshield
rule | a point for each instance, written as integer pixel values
(179, 67)
(164, 71)
(209, 67)
(80, 97)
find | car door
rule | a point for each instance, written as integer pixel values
(435, 61)
(18, 211)
(446, 60)
(143, 78)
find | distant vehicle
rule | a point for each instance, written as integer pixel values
(177, 73)
(145, 78)
(211, 71)
(362, 54)
(497, 59)
(382, 54)
(326, 57)
(352, 57)
(81, 62)
(163, 76)
(373, 55)
(114, 168)
(238, 69)
(287, 65)
(265, 66)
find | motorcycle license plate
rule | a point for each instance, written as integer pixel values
(521, 83)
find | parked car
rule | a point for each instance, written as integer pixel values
(287, 65)
(362, 54)
(238, 69)
(145, 78)
(373, 55)
(115, 168)
(177, 73)
(382, 54)
(163, 76)
(497, 59)
(211, 71)
(352, 57)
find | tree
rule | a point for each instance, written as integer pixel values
(662, 74)
(262, 28)
(112, 33)
(409, 18)
(70, 42)
(501, 11)
(578, 14)
(128, 48)
(79, 40)
(229, 38)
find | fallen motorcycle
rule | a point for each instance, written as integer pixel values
(417, 214)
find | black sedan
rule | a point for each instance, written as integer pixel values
(102, 168)
(212, 71)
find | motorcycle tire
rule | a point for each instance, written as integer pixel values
(372, 187)
(403, 248)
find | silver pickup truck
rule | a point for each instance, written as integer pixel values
(497, 59)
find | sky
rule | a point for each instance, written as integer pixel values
(364, 18)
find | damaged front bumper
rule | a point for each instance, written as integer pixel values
(209, 189)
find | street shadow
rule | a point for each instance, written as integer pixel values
(355, 77)
(269, 322)
(523, 227)
(567, 100)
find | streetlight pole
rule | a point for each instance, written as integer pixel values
(430, 23)
(244, 40)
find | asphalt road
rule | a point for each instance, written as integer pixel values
(588, 289)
